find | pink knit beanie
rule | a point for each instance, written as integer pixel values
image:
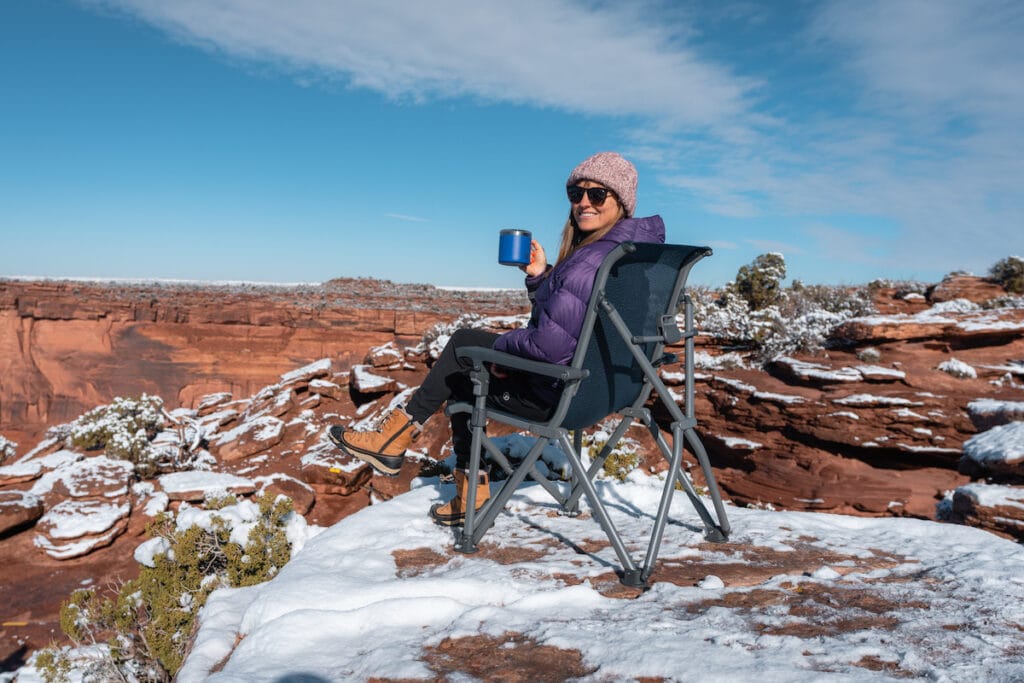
(612, 171)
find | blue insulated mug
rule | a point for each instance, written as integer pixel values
(514, 247)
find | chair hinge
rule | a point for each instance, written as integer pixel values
(670, 330)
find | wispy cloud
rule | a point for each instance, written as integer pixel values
(410, 219)
(924, 134)
(549, 53)
(917, 120)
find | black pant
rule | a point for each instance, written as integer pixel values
(448, 380)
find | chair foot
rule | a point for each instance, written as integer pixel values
(633, 578)
(715, 535)
(465, 545)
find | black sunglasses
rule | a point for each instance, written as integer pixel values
(596, 195)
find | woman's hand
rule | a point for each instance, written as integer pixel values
(538, 260)
(498, 371)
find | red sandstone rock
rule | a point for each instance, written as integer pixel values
(18, 510)
(301, 494)
(976, 289)
(66, 347)
(250, 438)
(196, 486)
(999, 509)
(367, 382)
(384, 356)
(76, 527)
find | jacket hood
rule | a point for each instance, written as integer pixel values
(649, 229)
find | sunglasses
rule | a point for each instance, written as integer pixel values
(596, 195)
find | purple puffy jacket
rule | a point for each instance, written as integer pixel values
(560, 297)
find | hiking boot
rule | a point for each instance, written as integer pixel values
(384, 448)
(454, 511)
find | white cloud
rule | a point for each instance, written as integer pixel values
(581, 57)
(409, 219)
(912, 117)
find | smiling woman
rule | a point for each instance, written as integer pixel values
(602, 196)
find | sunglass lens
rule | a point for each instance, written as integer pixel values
(597, 195)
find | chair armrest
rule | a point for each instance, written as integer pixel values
(482, 354)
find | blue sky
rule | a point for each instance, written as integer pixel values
(297, 142)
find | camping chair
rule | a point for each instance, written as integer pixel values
(631, 316)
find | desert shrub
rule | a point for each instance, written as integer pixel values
(438, 334)
(123, 429)
(760, 282)
(869, 354)
(144, 628)
(1004, 302)
(902, 287)
(7, 449)
(622, 460)
(801, 319)
(1009, 272)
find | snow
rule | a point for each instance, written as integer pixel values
(76, 518)
(815, 371)
(960, 313)
(739, 385)
(724, 361)
(210, 482)
(736, 442)
(845, 413)
(994, 495)
(778, 398)
(878, 371)
(1002, 444)
(906, 412)
(870, 400)
(265, 428)
(991, 406)
(320, 367)
(32, 468)
(367, 381)
(958, 368)
(328, 612)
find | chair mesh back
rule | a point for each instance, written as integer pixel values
(642, 285)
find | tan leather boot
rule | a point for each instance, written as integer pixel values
(454, 511)
(384, 448)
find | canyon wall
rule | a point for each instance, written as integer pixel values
(67, 346)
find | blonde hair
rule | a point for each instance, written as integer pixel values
(573, 238)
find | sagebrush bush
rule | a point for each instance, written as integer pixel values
(123, 429)
(438, 334)
(799, 319)
(1009, 272)
(146, 625)
(760, 282)
(622, 460)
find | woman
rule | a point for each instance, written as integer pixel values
(602, 197)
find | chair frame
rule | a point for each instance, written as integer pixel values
(683, 425)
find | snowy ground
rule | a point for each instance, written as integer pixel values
(791, 597)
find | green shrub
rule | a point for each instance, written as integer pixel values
(622, 460)
(147, 624)
(123, 429)
(1009, 273)
(760, 283)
